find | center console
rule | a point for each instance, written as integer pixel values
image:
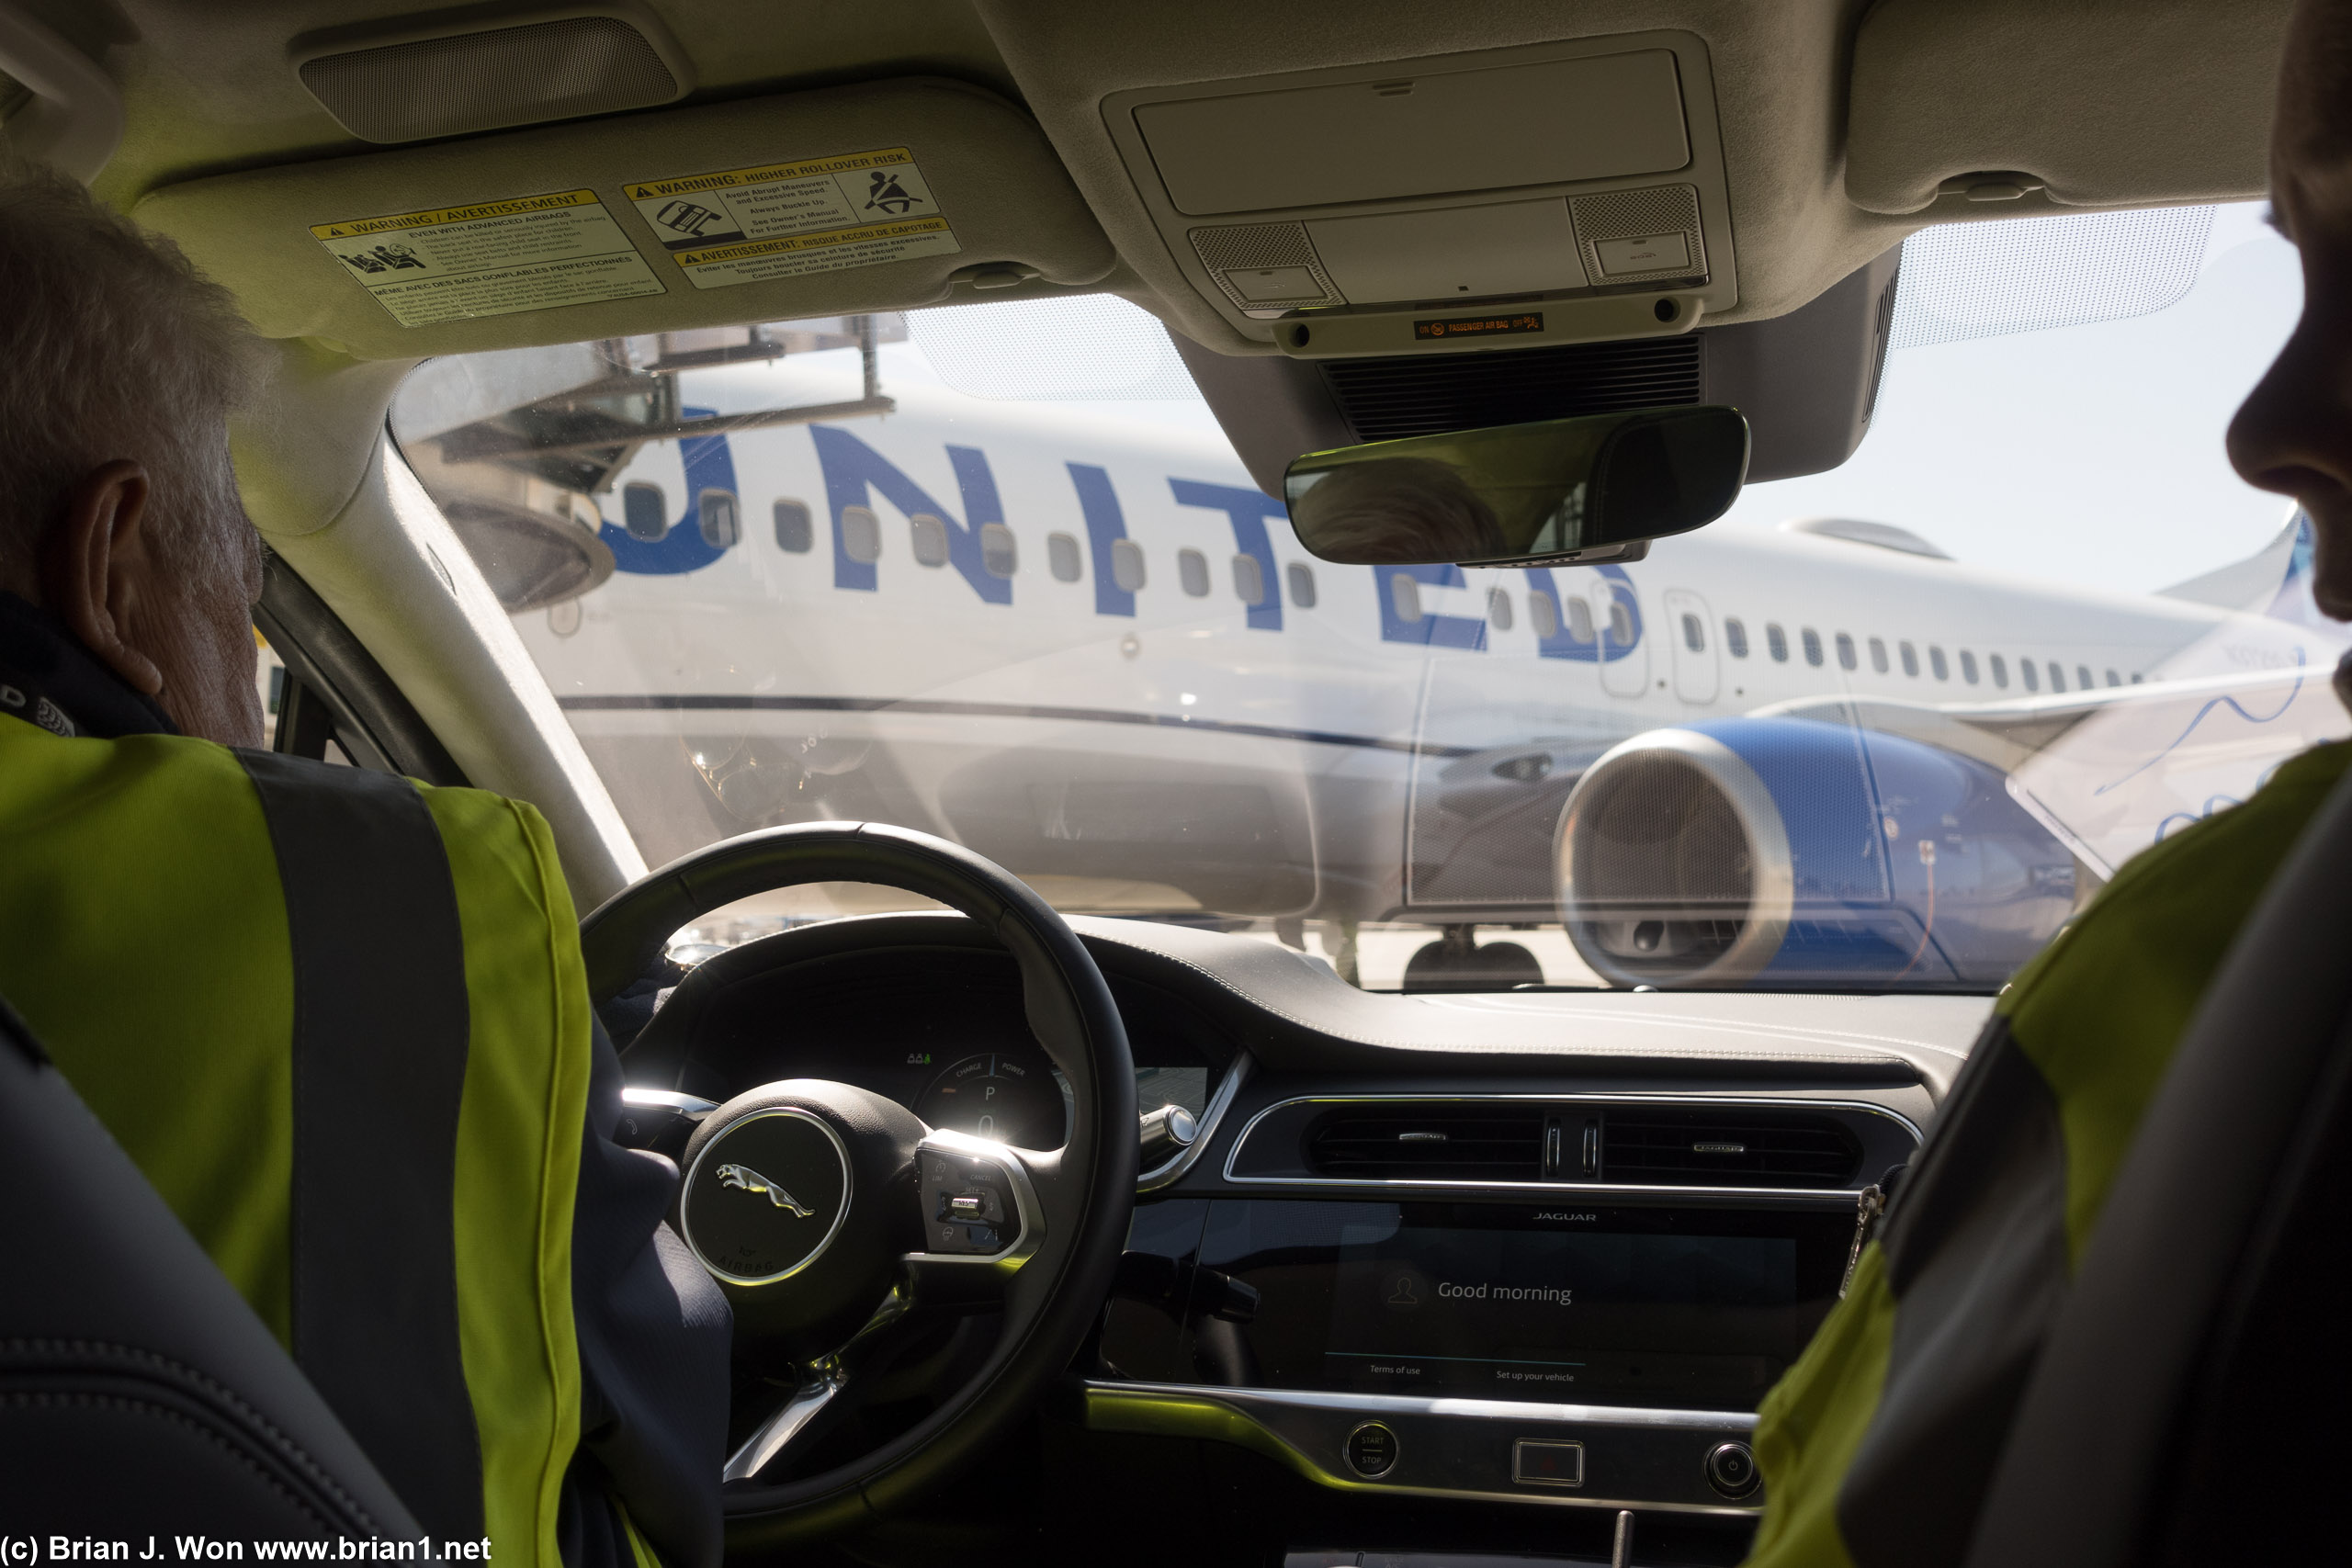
(1570, 1351)
(1593, 1343)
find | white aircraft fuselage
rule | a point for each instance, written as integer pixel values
(1095, 650)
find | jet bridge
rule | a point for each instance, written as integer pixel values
(516, 446)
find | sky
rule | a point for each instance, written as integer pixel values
(2088, 454)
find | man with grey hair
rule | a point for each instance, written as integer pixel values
(339, 1020)
(112, 344)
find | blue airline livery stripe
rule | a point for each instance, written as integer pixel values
(699, 701)
(855, 472)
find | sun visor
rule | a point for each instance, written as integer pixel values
(2100, 103)
(1505, 199)
(878, 197)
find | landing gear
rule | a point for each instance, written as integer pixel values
(1456, 962)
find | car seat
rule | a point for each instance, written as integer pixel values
(141, 1398)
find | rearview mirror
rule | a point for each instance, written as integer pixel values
(1592, 488)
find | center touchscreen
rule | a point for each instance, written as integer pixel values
(1578, 1314)
(1687, 1307)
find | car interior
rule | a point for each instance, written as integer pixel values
(1431, 1156)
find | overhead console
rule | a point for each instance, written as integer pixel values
(1507, 198)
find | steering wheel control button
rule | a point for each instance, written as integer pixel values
(767, 1196)
(1731, 1470)
(969, 1204)
(1544, 1462)
(1371, 1451)
(973, 1206)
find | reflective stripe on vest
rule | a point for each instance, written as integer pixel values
(380, 1070)
(203, 939)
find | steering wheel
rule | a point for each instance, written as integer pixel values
(835, 1220)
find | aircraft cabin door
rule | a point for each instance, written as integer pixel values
(1693, 633)
(1624, 649)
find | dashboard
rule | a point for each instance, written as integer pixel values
(1437, 1252)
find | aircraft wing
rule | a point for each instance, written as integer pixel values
(2112, 770)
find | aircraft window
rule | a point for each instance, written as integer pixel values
(721, 521)
(1845, 652)
(1499, 609)
(1193, 574)
(1735, 636)
(929, 537)
(1812, 646)
(1910, 658)
(861, 534)
(1621, 626)
(1968, 667)
(1695, 636)
(1878, 654)
(1543, 614)
(1000, 551)
(1127, 565)
(1301, 577)
(2000, 670)
(795, 534)
(2083, 682)
(2112, 679)
(1061, 556)
(2135, 677)
(1777, 641)
(1580, 619)
(1249, 581)
(644, 513)
(2030, 675)
(2057, 677)
(1935, 665)
(1404, 597)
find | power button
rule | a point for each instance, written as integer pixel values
(1370, 1450)
(1731, 1470)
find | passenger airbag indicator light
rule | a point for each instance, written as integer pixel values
(1479, 326)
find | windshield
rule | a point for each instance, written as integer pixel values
(992, 572)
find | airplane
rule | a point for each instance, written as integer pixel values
(1094, 650)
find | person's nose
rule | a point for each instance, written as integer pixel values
(2293, 433)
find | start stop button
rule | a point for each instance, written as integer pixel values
(1731, 1469)
(1370, 1450)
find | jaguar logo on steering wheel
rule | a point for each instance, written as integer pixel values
(751, 1180)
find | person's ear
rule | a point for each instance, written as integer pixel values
(99, 570)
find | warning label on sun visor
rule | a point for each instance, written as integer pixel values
(784, 220)
(491, 259)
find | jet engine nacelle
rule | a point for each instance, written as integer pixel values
(1794, 852)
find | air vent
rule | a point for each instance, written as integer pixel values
(1426, 394)
(1444, 1142)
(1647, 1147)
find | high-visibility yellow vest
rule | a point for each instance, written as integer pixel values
(1877, 1446)
(339, 1020)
